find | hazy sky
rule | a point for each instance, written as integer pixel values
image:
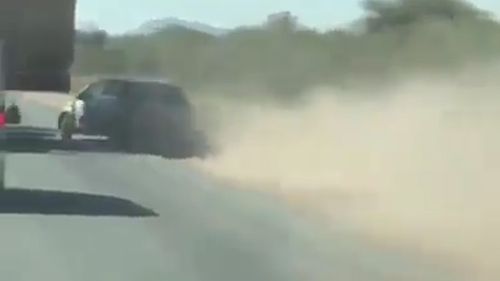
(122, 15)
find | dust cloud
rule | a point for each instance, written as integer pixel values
(415, 165)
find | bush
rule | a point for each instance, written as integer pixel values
(283, 58)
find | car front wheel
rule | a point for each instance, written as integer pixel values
(67, 127)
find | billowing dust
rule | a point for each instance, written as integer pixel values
(416, 165)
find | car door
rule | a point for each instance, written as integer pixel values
(109, 106)
(90, 96)
(104, 106)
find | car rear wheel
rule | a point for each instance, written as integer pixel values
(153, 130)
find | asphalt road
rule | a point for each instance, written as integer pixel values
(109, 216)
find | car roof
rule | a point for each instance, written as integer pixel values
(173, 90)
(136, 80)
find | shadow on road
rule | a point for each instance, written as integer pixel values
(26, 139)
(26, 201)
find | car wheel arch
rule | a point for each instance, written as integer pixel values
(60, 119)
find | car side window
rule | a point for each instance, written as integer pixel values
(84, 93)
(92, 91)
(113, 89)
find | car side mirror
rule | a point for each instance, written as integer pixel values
(83, 96)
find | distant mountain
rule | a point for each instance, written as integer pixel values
(153, 25)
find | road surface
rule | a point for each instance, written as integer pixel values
(109, 216)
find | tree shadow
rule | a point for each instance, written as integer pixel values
(44, 202)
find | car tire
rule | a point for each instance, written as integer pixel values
(67, 127)
(201, 145)
(13, 114)
(153, 131)
(60, 120)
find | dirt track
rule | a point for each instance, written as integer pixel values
(414, 167)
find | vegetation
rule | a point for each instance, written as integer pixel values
(283, 58)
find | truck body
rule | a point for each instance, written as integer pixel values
(36, 53)
(38, 44)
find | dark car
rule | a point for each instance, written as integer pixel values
(139, 116)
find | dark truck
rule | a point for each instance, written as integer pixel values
(38, 38)
(36, 53)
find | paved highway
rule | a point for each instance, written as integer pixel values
(108, 216)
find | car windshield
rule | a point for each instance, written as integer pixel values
(320, 140)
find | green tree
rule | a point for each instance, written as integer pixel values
(94, 38)
(383, 14)
(282, 22)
